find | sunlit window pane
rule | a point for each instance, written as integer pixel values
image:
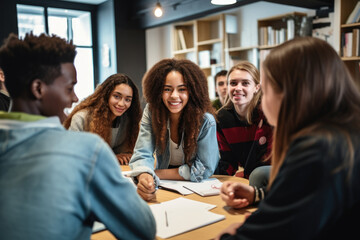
(82, 29)
(85, 72)
(58, 26)
(30, 19)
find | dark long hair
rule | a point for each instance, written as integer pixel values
(193, 113)
(319, 95)
(99, 120)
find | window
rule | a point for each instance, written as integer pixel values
(69, 24)
(30, 19)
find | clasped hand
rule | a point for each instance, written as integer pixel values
(146, 187)
(236, 195)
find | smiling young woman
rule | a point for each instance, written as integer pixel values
(177, 125)
(113, 112)
(313, 191)
(243, 133)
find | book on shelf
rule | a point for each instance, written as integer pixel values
(351, 43)
(290, 29)
(354, 15)
(270, 36)
(356, 42)
(181, 36)
(348, 44)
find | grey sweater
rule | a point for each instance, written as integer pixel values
(117, 133)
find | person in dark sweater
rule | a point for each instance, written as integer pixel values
(221, 89)
(243, 134)
(313, 192)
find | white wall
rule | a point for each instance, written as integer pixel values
(158, 44)
(158, 40)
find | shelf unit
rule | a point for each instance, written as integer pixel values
(275, 30)
(353, 62)
(184, 41)
(201, 41)
(268, 28)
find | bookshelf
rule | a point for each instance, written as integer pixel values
(272, 31)
(352, 61)
(275, 30)
(184, 41)
(201, 41)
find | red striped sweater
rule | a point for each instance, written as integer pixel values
(242, 144)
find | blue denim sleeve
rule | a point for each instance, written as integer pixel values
(114, 201)
(143, 159)
(207, 155)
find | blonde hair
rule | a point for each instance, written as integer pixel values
(254, 73)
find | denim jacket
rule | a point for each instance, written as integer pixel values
(55, 183)
(205, 159)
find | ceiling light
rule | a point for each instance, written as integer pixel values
(223, 2)
(158, 11)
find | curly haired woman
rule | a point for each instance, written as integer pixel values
(113, 112)
(177, 125)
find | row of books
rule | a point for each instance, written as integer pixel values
(271, 36)
(351, 43)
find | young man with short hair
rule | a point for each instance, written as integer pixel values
(55, 183)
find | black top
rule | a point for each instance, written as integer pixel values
(240, 143)
(4, 102)
(216, 104)
(313, 195)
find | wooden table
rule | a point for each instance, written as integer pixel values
(207, 232)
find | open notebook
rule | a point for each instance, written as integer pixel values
(208, 187)
(182, 215)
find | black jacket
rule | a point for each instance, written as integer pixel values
(314, 196)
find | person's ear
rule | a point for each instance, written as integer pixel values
(37, 88)
(257, 88)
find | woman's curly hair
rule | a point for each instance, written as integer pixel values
(193, 113)
(99, 114)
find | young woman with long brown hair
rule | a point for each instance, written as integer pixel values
(113, 112)
(313, 193)
(177, 125)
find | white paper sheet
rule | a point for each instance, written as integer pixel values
(181, 215)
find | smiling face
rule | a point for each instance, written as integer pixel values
(241, 89)
(175, 94)
(120, 99)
